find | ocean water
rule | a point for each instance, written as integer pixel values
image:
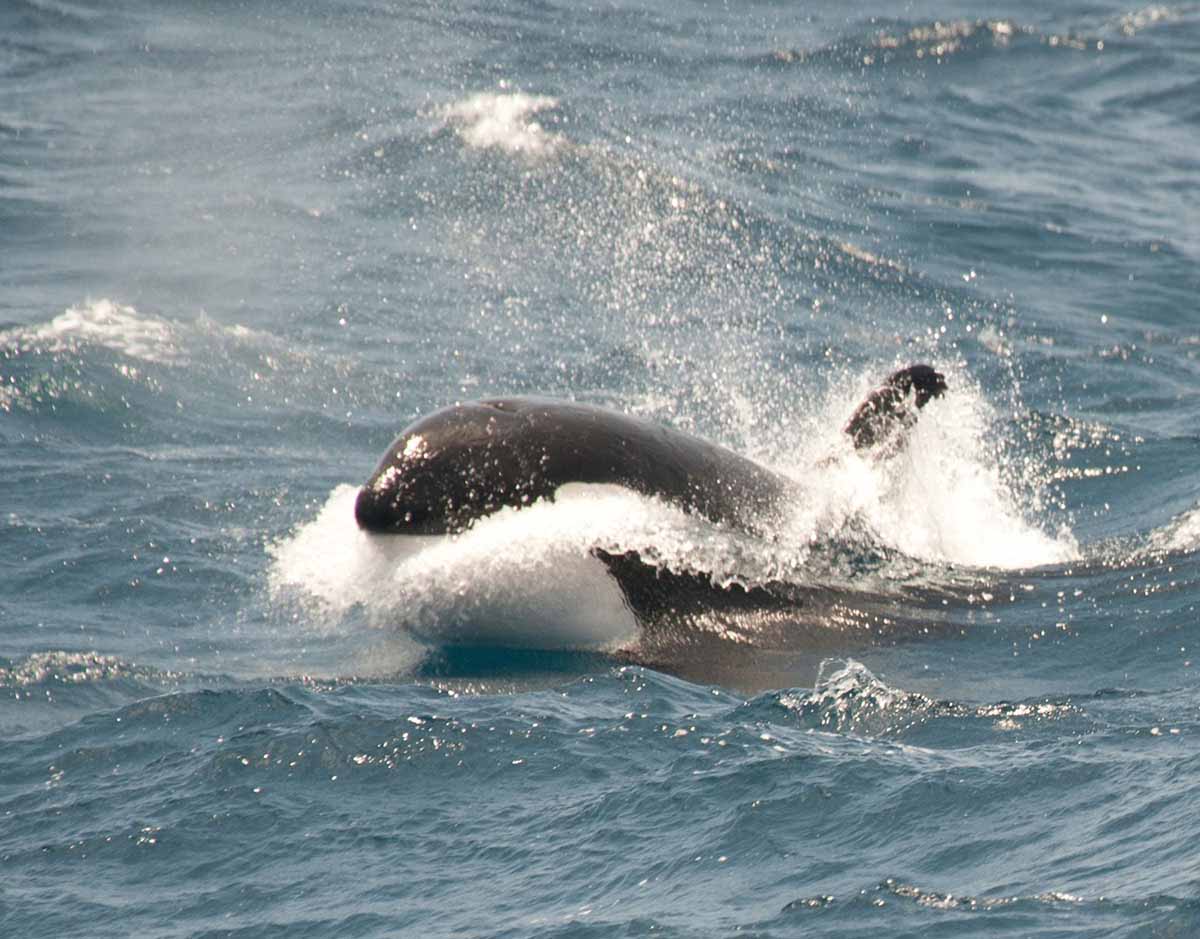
(242, 245)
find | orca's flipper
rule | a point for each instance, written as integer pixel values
(881, 420)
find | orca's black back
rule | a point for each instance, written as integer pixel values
(453, 466)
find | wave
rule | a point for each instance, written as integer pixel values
(104, 323)
(46, 690)
(1182, 534)
(176, 362)
(42, 670)
(941, 40)
(120, 328)
(849, 698)
(1006, 914)
(932, 899)
(504, 121)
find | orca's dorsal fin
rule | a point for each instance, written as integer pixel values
(891, 409)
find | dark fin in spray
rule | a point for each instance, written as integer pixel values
(880, 422)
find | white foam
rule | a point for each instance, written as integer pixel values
(100, 322)
(503, 121)
(517, 579)
(130, 333)
(1183, 534)
(944, 498)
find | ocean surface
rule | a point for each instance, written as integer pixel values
(243, 244)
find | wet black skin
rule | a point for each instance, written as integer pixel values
(449, 468)
(459, 464)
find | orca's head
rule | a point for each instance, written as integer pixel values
(410, 492)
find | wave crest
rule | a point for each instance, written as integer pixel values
(115, 326)
(504, 121)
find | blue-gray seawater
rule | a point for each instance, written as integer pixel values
(243, 244)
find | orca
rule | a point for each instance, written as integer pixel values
(450, 468)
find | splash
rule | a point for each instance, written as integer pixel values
(530, 577)
(517, 579)
(950, 497)
(504, 121)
